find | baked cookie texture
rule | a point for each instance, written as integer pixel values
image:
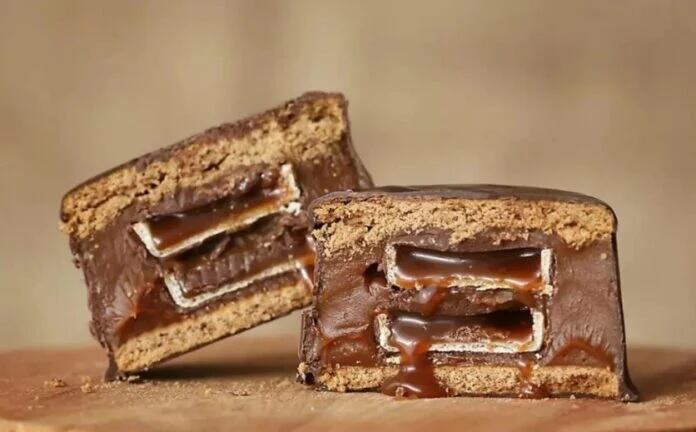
(465, 290)
(208, 237)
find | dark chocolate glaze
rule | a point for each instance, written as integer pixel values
(584, 316)
(125, 284)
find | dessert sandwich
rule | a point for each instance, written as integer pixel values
(208, 237)
(465, 290)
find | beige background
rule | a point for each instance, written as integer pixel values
(597, 96)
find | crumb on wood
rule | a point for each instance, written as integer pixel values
(55, 383)
(400, 391)
(88, 388)
(285, 383)
(241, 390)
(134, 379)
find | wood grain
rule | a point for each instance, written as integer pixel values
(248, 384)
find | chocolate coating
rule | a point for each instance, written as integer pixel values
(127, 293)
(584, 318)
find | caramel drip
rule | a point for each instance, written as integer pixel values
(527, 389)
(416, 375)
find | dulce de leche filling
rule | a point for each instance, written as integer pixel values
(231, 243)
(489, 322)
(273, 191)
(410, 267)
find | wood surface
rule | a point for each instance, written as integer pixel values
(247, 383)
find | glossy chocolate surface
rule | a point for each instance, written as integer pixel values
(414, 334)
(419, 267)
(584, 321)
(127, 295)
(230, 257)
(416, 377)
(263, 193)
(507, 325)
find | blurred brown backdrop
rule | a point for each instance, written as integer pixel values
(593, 96)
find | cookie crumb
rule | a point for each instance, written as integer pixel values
(55, 383)
(88, 388)
(134, 379)
(400, 392)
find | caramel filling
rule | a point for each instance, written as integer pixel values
(232, 243)
(409, 267)
(505, 331)
(167, 235)
(501, 297)
(524, 273)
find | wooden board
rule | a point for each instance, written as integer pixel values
(248, 384)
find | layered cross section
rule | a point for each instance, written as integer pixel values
(208, 237)
(231, 243)
(453, 290)
(495, 299)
